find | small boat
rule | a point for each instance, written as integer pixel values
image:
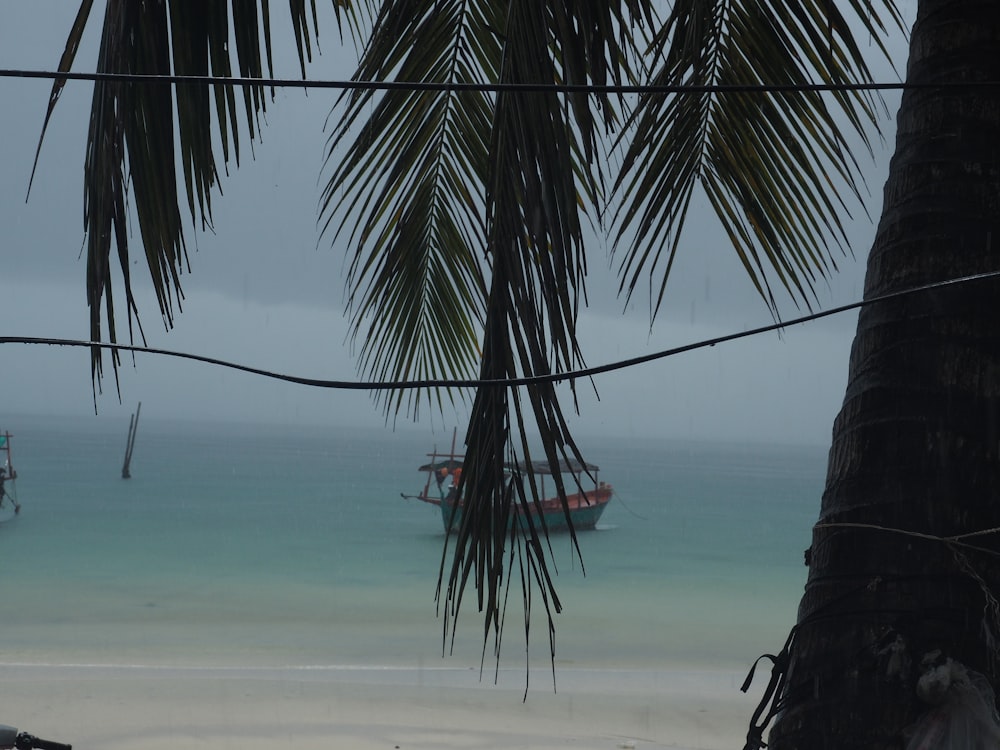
(585, 506)
(9, 507)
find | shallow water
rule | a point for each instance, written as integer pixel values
(262, 547)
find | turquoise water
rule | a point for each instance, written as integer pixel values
(237, 546)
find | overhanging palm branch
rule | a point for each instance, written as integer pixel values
(131, 158)
(771, 164)
(405, 194)
(481, 190)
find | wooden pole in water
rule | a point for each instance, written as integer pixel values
(133, 428)
(10, 461)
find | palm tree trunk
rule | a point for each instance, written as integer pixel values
(916, 446)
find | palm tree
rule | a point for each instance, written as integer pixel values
(899, 568)
(465, 209)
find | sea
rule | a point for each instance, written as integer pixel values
(241, 546)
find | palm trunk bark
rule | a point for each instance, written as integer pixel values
(916, 446)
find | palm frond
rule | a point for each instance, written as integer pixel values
(464, 211)
(542, 173)
(131, 158)
(772, 165)
(407, 193)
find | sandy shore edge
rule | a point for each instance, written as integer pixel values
(152, 708)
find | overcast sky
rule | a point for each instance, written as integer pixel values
(267, 292)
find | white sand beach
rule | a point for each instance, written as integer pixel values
(150, 708)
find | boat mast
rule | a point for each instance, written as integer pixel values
(434, 456)
(8, 465)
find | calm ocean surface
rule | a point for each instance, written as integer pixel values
(260, 547)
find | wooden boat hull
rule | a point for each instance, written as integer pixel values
(585, 510)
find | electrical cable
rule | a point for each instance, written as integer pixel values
(444, 86)
(503, 382)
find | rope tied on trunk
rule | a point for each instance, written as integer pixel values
(770, 702)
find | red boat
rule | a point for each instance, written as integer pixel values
(585, 507)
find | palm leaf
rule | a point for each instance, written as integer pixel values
(482, 195)
(772, 165)
(405, 194)
(131, 158)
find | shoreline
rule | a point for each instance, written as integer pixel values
(368, 707)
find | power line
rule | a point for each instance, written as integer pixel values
(507, 382)
(451, 87)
